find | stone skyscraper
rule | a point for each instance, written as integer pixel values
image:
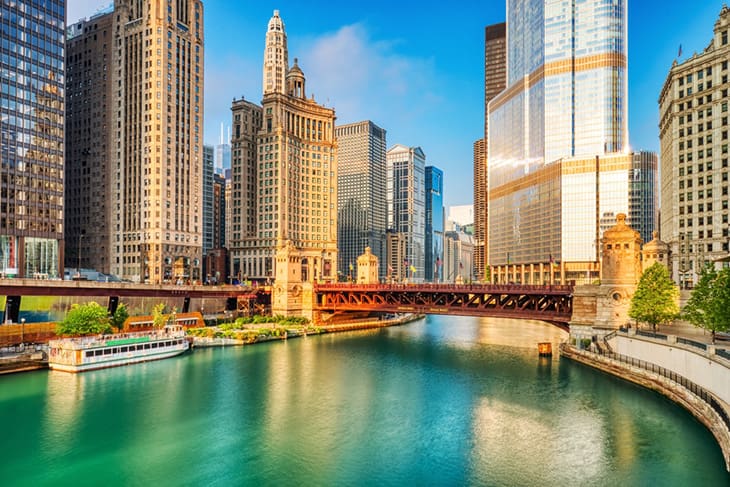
(296, 175)
(558, 158)
(495, 80)
(361, 185)
(32, 138)
(693, 132)
(154, 170)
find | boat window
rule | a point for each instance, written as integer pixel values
(107, 351)
(167, 344)
(123, 349)
(146, 346)
(154, 345)
(115, 350)
(97, 353)
(90, 353)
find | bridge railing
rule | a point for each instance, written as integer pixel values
(492, 288)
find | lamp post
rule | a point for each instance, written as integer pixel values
(22, 331)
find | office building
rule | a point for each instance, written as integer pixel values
(32, 138)
(434, 229)
(208, 171)
(495, 81)
(247, 119)
(361, 184)
(406, 206)
(89, 149)
(458, 265)
(223, 153)
(558, 154)
(693, 133)
(296, 178)
(154, 181)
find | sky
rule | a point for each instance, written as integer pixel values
(416, 69)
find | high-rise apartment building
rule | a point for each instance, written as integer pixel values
(154, 184)
(361, 183)
(296, 173)
(434, 229)
(693, 133)
(558, 157)
(495, 81)
(32, 138)
(247, 119)
(208, 171)
(406, 200)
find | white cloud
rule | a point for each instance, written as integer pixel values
(366, 79)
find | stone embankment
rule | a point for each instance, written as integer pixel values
(701, 403)
(22, 361)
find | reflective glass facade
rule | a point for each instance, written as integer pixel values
(434, 237)
(31, 137)
(560, 123)
(406, 197)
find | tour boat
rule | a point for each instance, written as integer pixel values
(102, 351)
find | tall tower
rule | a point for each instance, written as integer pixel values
(434, 228)
(406, 197)
(32, 138)
(295, 180)
(157, 75)
(557, 150)
(276, 56)
(495, 81)
(693, 134)
(361, 183)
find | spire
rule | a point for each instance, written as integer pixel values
(276, 56)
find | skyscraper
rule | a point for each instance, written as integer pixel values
(495, 80)
(693, 133)
(223, 153)
(247, 119)
(557, 144)
(296, 179)
(406, 199)
(361, 184)
(434, 229)
(208, 171)
(154, 184)
(32, 138)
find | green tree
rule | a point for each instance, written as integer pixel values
(655, 299)
(709, 302)
(120, 316)
(158, 315)
(85, 319)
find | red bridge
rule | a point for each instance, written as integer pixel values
(553, 304)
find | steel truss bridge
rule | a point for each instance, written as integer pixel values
(553, 304)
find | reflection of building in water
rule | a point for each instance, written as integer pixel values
(31, 141)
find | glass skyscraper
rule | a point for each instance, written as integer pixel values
(558, 148)
(406, 211)
(434, 236)
(32, 36)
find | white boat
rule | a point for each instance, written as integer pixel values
(102, 351)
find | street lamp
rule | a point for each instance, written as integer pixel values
(22, 330)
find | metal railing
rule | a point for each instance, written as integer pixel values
(692, 343)
(651, 334)
(671, 375)
(723, 353)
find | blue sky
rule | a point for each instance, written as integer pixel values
(416, 69)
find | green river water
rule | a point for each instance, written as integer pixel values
(442, 401)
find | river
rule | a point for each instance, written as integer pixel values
(442, 401)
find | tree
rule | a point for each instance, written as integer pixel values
(709, 302)
(158, 317)
(120, 316)
(655, 299)
(85, 319)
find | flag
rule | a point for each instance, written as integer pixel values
(508, 259)
(413, 269)
(679, 54)
(461, 266)
(351, 266)
(390, 269)
(438, 262)
(552, 261)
